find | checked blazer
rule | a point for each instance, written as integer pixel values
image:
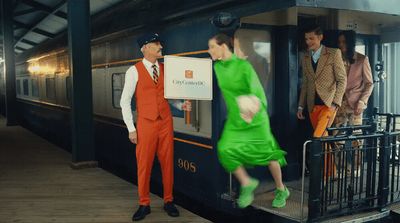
(329, 80)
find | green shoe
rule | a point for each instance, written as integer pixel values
(280, 198)
(246, 196)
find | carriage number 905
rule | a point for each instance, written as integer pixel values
(186, 165)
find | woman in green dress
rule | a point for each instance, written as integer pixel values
(246, 139)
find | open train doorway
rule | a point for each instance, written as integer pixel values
(372, 39)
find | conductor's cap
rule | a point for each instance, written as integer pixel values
(148, 38)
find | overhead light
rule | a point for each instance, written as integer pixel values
(226, 22)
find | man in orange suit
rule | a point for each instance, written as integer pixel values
(324, 83)
(154, 135)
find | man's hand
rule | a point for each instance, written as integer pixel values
(300, 114)
(133, 137)
(333, 107)
(359, 108)
(187, 106)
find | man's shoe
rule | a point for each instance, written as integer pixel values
(171, 210)
(141, 212)
(246, 196)
(280, 198)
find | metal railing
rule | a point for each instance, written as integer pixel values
(352, 172)
(388, 121)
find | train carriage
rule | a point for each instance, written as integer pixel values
(271, 38)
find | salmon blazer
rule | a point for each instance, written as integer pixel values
(359, 81)
(329, 80)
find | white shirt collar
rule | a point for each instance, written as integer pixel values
(317, 54)
(148, 64)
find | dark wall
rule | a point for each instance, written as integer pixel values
(49, 122)
(285, 123)
(2, 105)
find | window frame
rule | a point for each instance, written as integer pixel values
(25, 81)
(68, 90)
(35, 79)
(112, 89)
(54, 87)
(18, 86)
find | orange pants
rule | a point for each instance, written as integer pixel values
(321, 118)
(154, 137)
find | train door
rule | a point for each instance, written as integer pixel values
(388, 74)
(382, 53)
(368, 44)
(254, 42)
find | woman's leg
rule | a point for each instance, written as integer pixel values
(247, 187)
(241, 174)
(276, 172)
(282, 193)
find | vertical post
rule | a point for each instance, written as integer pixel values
(349, 154)
(389, 122)
(286, 98)
(374, 119)
(383, 184)
(371, 142)
(314, 201)
(369, 160)
(2, 88)
(372, 53)
(83, 150)
(9, 62)
(382, 79)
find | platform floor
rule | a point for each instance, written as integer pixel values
(37, 185)
(265, 194)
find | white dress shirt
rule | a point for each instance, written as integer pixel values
(317, 54)
(131, 79)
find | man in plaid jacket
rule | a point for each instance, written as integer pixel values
(323, 87)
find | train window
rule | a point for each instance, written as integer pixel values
(360, 49)
(50, 88)
(391, 53)
(18, 87)
(360, 46)
(25, 85)
(69, 88)
(118, 80)
(255, 46)
(35, 87)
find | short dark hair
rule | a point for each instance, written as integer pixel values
(222, 38)
(315, 29)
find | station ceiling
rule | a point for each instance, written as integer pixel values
(36, 21)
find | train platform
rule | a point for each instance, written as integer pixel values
(38, 185)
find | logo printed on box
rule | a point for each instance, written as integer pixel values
(189, 74)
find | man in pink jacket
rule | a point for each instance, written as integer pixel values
(358, 89)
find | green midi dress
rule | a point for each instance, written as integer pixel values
(241, 143)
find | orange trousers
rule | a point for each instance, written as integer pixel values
(321, 118)
(154, 137)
